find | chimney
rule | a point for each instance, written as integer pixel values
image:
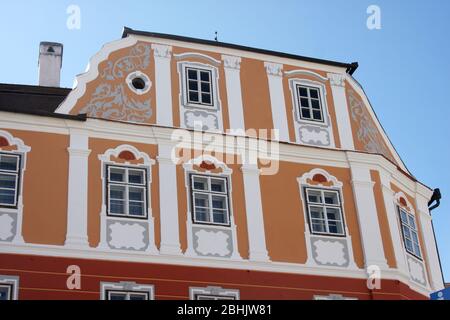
(50, 64)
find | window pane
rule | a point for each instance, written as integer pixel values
(220, 216)
(200, 183)
(7, 196)
(117, 206)
(8, 181)
(136, 209)
(201, 214)
(403, 216)
(201, 200)
(304, 103)
(318, 226)
(412, 223)
(303, 92)
(206, 98)
(204, 76)
(315, 104)
(333, 214)
(136, 177)
(335, 227)
(117, 175)
(117, 296)
(409, 245)
(314, 196)
(219, 202)
(138, 296)
(117, 192)
(314, 93)
(192, 74)
(205, 87)
(306, 113)
(331, 198)
(414, 237)
(316, 212)
(136, 194)
(317, 115)
(8, 163)
(406, 232)
(193, 96)
(217, 185)
(4, 293)
(417, 250)
(193, 85)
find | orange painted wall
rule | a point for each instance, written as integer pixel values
(45, 187)
(284, 213)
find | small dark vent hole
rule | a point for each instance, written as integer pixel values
(138, 83)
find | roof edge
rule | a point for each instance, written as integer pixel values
(350, 67)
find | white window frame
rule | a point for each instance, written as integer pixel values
(215, 101)
(12, 282)
(214, 293)
(127, 294)
(324, 206)
(210, 195)
(334, 297)
(310, 108)
(127, 185)
(411, 230)
(126, 288)
(17, 174)
(199, 86)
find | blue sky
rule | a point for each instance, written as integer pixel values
(404, 67)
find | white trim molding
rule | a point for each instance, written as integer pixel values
(303, 72)
(123, 233)
(206, 240)
(13, 283)
(163, 79)
(15, 215)
(196, 55)
(128, 287)
(77, 202)
(232, 66)
(277, 100)
(337, 82)
(214, 292)
(92, 72)
(325, 251)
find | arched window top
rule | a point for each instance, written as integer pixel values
(208, 164)
(196, 55)
(402, 201)
(319, 177)
(8, 140)
(126, 153)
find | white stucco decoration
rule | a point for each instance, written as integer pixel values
(310, 135)
(200, 120)
(209, 159)
(106, 157)
(303, 180)
(416, 270)
(187, 55)
(128, 235)
(303, 72)
(212, 242)
(330, 252)
(12, 141)
(6, 227)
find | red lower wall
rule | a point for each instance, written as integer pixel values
(46, 277)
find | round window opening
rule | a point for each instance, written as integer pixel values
(138, 83)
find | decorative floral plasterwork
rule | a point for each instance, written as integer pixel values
(367, 132)
(110, 99)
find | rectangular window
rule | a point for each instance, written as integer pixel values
(209, 197)
(213, 297)
(127, 192)
(9, 179)
(199, 86)
(310, 104)
(127, 295)
(5, 292)
(324, 212)
(410, 234)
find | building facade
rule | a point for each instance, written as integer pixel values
(180, 168)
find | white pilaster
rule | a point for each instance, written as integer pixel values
(393, 221)
(163, 84)
(170, 232)
(367, 215)
(77, 212)
(254, 213)
(430, 251)
(337, 82)
(279, 116)
(232, 67)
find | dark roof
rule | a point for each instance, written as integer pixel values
(350, 67)
(32, 97)
(35, 100)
